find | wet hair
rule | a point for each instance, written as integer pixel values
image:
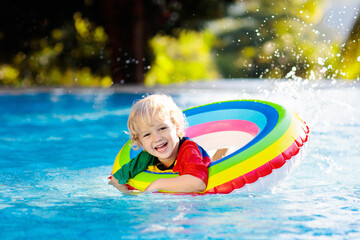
(159, 107)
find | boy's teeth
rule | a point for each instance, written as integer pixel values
(160, 146)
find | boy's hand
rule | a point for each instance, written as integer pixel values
(121, 187)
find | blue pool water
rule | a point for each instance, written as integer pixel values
(57, 148)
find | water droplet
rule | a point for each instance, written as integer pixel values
(321, 61)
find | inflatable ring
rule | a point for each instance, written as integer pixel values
(265, 143)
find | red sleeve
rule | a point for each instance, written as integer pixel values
(190, 161)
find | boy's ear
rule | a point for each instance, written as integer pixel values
(178, 131)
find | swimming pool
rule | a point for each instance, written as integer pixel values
(57, 148)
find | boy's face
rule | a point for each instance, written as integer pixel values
(160, 140)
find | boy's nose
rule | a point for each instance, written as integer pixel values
(157, 136)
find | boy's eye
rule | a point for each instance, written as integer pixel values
(146, 135)
(163, 128)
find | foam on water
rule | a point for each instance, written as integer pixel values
(57, 150)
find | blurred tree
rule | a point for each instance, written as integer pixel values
(182, 58)
(47, 43)
(274, 39)
(349, 66)
(63, 43)
(125, 22)
(132, 23)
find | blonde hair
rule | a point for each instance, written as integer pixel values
(159, 107)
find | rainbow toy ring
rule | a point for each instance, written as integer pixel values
(265, 142)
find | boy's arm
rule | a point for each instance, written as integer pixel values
(183, 183)
(220, 153)
(135, 166)
(129, 170)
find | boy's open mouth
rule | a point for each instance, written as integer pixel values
(161, 147)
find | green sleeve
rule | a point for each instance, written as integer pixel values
(135, 166)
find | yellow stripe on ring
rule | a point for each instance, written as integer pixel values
(117, 162)
(139, 185)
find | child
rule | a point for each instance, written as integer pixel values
(158, 125)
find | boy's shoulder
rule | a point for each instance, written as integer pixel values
(188, 143)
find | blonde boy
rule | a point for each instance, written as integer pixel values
(158, 126)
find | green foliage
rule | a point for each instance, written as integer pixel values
(350, 58)
(181, 59)
(257, 39)
(73, 55)
(266, 39)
